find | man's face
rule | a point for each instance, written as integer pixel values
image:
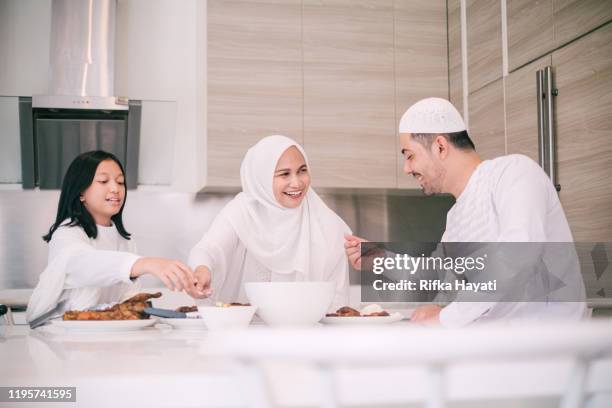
(423, 164)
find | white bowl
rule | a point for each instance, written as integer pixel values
(290, 303)
(233, 317)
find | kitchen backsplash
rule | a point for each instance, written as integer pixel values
(168, 224)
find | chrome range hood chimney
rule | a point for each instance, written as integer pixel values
(80, 112)
(81, 57)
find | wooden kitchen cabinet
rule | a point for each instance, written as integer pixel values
(455, 78)
(530, 31)
(349, 101)
(522, 109)
(336, 75)
(573, 18)
(254, 84)
(583, 75)
(484, 42)
(421, 63)
(486, 128)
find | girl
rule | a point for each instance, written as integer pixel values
(91, 256)
(276, 229)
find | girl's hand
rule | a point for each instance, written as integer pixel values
(203, 280)
(174, 274)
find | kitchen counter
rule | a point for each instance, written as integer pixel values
(162, 367)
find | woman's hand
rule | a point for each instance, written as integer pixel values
(174, 274)
(203, 280)
(352, 246)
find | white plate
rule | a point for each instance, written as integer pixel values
(104, 325)
(392, 318)
(184, 324)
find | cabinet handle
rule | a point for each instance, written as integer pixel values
(546, 126)
(541, 119)
(552, 138)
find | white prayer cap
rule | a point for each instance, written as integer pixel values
(431, 115)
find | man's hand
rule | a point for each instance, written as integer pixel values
(352, 246)
(203, 281)
(428, 314)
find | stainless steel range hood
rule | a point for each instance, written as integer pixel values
(80, 112)
(81, 57)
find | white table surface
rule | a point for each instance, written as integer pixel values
(161, 367)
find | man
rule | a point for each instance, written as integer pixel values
(507, 199)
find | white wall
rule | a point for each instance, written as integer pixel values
(25, 26)
(160, 49)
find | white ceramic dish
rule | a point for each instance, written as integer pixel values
(104, 325)
(184, 324)
(392, 318)
(290, 303)
(233, 317)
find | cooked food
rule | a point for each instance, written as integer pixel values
(187, 309)
(373, 310)
(221, 304)
(143, 297)
(368, 311)
(345, 311)
(131, 309)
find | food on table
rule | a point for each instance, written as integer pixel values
(131, 309)
(373, 310)
(143, 297)
(187, 309)
(368, 311)
(221, 304)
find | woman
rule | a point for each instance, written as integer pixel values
(92, 259)
(276, 229)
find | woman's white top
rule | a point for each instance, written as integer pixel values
(256, 239)
(83, 272)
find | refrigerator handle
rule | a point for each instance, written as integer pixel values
(552, 145)
(541, 120)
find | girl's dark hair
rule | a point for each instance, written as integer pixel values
(78, 178)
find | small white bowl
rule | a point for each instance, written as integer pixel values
(290, 303)
(233, 317)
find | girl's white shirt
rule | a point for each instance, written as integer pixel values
(83, 272)
(255, 239)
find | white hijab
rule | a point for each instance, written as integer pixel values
(305, 240)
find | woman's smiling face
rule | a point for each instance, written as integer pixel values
(291, 178)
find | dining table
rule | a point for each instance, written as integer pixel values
(313, 366)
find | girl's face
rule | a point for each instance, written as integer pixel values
(291, 178)
(104, 197)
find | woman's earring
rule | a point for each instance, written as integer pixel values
(82, 198)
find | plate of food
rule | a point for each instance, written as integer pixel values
(371, 314)
(127, 315)
(183, 318)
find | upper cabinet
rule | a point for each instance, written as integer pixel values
(254, 80)
(421, 63)
(335, 75)
(455, 75)
(573, 18)
(536, 28)
(487, 129)
(484, 42)
(349, 112)
(530, 30)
